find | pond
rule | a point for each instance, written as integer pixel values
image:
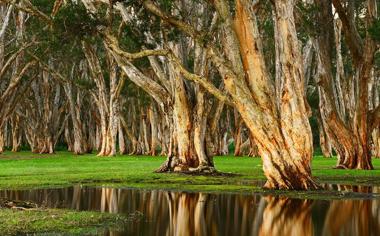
(159, 212)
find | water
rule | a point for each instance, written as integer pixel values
(159, 212)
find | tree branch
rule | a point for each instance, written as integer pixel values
(213, 53)
(122, 58)
(29, 8)
(13, 57)
(113, 44)
(351, 34)
(200, 80)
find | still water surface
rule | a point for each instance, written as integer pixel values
(158, 212)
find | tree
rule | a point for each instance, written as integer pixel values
(276, 117)
(345, 111)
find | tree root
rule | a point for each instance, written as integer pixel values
(163, 168)
(203, 169)
(341, 167)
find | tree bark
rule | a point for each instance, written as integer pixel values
(346, 108)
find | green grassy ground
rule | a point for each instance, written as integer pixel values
(15, 222)
(27, 170)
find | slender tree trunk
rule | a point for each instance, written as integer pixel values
(79, 144)
(2, 139)
(114, 113)
(122, 147)
(154, 133)
(324, 140)
(238, 133)
(16, 133)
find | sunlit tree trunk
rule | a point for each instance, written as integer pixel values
(154, 130)
(279, 125)
(2, 141)
(283, 136)
(346, 108)
(187, 150)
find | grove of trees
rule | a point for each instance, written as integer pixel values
(192, 79)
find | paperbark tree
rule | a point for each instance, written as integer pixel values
(176, 98)
(15, 76)
(43, 114)
(107, 101)
(345, 110)
(279, 124)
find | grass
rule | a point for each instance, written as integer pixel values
(15, 222)
(27, 170)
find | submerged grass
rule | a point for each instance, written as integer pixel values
(15, 222)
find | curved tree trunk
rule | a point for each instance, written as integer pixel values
(283, 137)
(346, 108)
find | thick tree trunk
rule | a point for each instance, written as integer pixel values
(346, 108)
(200, 125)
(283, 137)
(183, 126)
(280, 124)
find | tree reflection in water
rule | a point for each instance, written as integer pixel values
(179, 213)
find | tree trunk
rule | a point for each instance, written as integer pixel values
(324, 140)
(79, 144)
(346, 108)
(283, 137)
(2, 139)
(153, 124)
(122, 147)
(16, 133)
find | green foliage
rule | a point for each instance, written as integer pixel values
(308, 25)
(44, 6)
(71, 25)
(377, 61)
(374, 31)
(166, 4)
(62, 37)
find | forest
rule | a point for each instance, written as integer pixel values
(284, 94)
